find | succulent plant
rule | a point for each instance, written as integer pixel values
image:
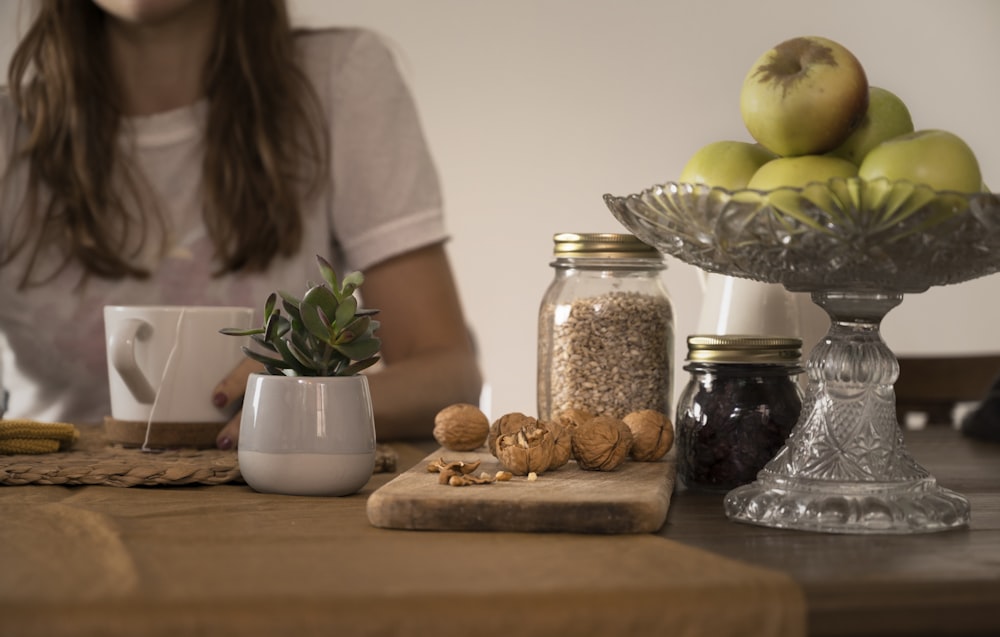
(323, 334)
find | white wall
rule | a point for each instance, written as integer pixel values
(536, 108)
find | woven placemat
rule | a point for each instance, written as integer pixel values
(93, 461)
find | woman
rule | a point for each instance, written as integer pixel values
(199, 152)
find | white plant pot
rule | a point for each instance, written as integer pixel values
(307, 436)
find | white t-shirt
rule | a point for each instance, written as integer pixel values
(384, 199)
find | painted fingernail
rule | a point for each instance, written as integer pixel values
(225, 443)
(220, 399)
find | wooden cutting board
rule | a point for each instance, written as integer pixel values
(634, 498)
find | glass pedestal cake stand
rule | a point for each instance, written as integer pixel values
(857, 247)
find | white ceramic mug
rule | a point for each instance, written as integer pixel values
(164, 361)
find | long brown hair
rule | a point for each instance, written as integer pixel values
(266, 144)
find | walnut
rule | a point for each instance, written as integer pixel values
(601, 443)
(652, 434)
(562, 443)
(508, 424)
(528, 450)
(569, 419)
(461, 427)
(572, 417)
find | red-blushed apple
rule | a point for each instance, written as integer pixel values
(725, 164)
(937, 158)
(887, 117)
(804, 96)
(796, 172)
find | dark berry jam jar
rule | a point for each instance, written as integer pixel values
(737, 409)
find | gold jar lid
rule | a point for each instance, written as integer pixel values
(602, 245)
(743, 348)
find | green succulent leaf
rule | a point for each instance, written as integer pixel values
(359, 366)
(291, 361)
(235, 331)
(267, 361)
(360, 349)
(317, 326)
(264, 343)
(303, 358)
(352, 282)
(324, 333)
(272, 328)
(327, 272)
(345, 311)
(291, 305)
(323, 298)
(272, 300)
(355, 329)
(303, 341)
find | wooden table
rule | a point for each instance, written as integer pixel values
(224, 560)
(930, 584)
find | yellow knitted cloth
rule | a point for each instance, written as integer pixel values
(31, 436)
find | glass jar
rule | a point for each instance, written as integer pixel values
(737, 409)
(605, 328)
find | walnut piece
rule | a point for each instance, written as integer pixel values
(466, 480)
(461, 427)
(526, 451)
(601, 443)
(652, 434)
(449, 469)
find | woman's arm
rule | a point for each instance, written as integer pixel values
(427, 348)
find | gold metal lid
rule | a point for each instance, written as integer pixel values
(743, 348)
(602, 245)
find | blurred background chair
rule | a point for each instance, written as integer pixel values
(934, 390)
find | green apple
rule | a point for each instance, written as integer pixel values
(726, 164)
(804, 96)
(937, 158)
(887, 117)
(796, 172)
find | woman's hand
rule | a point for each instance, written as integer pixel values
(228, 392)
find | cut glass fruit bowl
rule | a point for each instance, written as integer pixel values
(857, 247)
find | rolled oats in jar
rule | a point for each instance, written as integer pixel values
(605, 328)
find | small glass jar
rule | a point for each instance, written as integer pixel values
(605, 328)
(737, 409)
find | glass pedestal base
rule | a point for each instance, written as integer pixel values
(920, 506)
(844, 468)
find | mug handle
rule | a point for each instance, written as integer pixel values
(121, 346)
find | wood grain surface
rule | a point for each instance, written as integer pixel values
(634, 498)
(944, 583)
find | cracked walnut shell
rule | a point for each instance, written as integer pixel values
(508, 424)
(461, 427)
(652, 434)
(568, 420)
(601, 443)
(526, 451)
